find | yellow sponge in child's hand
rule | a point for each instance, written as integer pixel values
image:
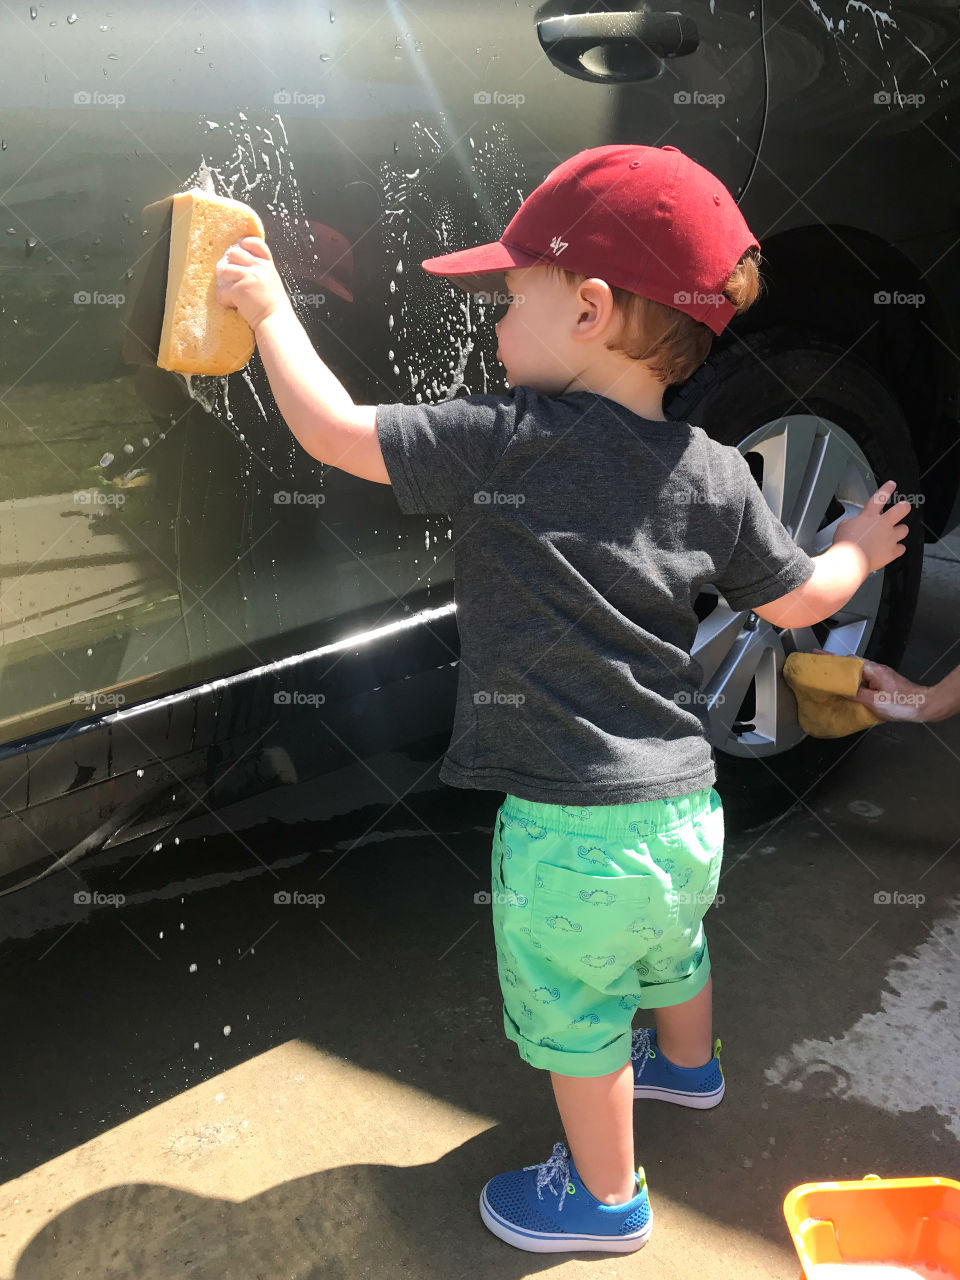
(822, 684)
(200, 334)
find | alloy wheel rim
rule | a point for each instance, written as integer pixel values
(812, 469)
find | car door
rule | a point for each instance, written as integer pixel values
(157, 531)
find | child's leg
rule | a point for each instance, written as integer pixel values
(685, 1031)
(597, 1115)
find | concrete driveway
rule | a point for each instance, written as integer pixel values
(203, 1082)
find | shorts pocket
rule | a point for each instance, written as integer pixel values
(596, 927)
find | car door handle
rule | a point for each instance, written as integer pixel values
(616, 46)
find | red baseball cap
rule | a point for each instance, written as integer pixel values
(648, 219)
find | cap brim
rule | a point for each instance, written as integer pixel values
(480, 270)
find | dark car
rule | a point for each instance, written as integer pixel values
(193, 609)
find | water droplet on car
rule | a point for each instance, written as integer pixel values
(71, 18)
(33, 13)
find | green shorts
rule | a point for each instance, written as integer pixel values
(597, 912)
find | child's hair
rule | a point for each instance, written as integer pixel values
(671, 343)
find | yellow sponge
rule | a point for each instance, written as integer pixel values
(822, 682)
(199, 334)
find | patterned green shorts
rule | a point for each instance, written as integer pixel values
(597, 912)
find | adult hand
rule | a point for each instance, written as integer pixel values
(890, 695)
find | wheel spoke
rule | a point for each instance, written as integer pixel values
(786, 457)
(733, 679)
(714, 639)
(830, 461)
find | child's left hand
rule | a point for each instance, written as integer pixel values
(248, 280)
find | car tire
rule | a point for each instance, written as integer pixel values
(748, 390)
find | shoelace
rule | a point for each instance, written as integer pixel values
(556, 1169)
(640, 1048)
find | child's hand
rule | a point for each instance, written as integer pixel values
(879, 534)
(248, 281)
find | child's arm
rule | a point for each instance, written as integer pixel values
(316, 406)
(861, 545)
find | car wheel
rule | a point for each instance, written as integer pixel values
(821, 432)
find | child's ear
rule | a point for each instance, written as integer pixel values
(594, 308)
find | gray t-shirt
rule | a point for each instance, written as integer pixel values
(582, 535)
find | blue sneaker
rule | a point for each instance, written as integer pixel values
(655, 1076)
(567, 1218)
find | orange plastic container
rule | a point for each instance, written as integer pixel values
(906, 1222)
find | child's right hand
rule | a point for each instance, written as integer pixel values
(877, 533)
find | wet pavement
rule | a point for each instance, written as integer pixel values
(206, 1081)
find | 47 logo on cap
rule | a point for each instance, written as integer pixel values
(558, 245)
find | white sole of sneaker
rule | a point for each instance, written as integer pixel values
(562, 1242)
(701, 1101)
